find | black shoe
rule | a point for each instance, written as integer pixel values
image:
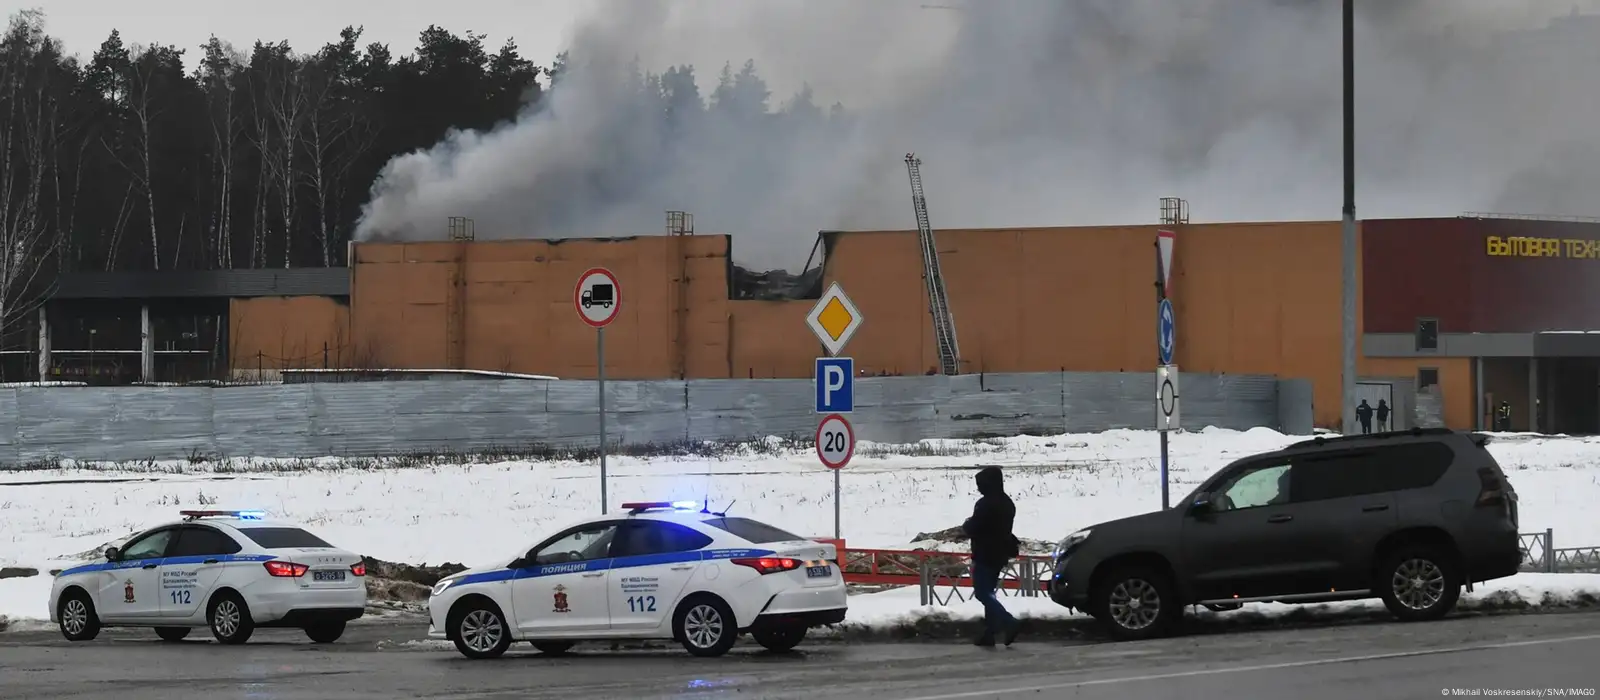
(1011, 634)
(987, 640)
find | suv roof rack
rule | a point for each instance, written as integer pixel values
(1343, 439)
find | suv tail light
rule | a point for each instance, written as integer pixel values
(359, 568)
(1491, 491)
(769, 565)
(286, 569)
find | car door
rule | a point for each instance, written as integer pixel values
(130, 587)
(559, 589)
(1245, 543)
(195, 561)
(652, 563)
(1344, 509)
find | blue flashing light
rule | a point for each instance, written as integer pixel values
(251, 515)
(685, 505)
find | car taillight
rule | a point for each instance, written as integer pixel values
(286, 569)
(359, 569)
(769, 565)
(1490, 492)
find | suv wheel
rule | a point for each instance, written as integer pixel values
(1419, 583)
(1136, 602)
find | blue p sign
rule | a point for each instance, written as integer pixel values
(836, 385)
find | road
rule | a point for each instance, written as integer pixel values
(384, 660)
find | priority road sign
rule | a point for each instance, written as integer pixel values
(1166, 331)
(597, 297)
(836, 441)
(834, 319)
(836, 384)
(1167, 414)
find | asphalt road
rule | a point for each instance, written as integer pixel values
(1369, 661)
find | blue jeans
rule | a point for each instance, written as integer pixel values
(985, 578)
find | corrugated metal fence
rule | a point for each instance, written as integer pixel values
(377, 418)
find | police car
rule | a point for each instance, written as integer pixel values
(661, 571)
(230, 570)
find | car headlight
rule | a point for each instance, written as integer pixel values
(441, 586)
(1071, 541)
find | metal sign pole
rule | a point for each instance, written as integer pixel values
(836, 529)
(1161, 296)
(600, 352)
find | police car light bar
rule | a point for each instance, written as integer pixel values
(656, 505)
(240, 514)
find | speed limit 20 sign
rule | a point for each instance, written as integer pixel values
(836, 441)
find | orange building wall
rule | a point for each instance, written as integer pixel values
(288, 333)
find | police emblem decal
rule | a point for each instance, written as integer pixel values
(127, 591)
(561, 599)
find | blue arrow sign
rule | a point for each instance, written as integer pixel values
(1166, 331)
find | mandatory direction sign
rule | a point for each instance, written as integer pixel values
(597, 297)
(1166, 331)
(836, 384)
(834, 319)
(1167, 398)
(836, 441)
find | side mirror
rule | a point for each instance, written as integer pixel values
(1201, 504)
(112, 554)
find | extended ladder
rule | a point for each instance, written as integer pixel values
(944, 323)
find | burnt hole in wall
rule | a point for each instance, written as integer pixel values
(775, 285)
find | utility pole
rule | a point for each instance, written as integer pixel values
(1348, 386)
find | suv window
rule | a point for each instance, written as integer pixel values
(194, 541)
(1263, 484)
(584, 544)
(641, 537)
(151, 546)
(283, 538)
(754, 531)
(1370, 471)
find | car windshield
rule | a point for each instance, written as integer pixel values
(283, 537)
(752, 530)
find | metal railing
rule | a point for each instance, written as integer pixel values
(941, 579)
(1539, 554)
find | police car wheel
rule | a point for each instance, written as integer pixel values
(481, 631)
(79, 623)
(779, 638)
(705, 626)
(325, 632)
(553, 648)
(172, 634)
(230, 619)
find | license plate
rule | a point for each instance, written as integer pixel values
(823, 571)
(327, 575)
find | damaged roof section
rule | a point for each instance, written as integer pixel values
(781, 285)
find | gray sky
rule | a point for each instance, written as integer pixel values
(539, 26)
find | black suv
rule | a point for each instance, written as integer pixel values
(1409, 517)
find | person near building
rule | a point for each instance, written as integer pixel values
(1364, 416)
(1383, 415)
(993, 545)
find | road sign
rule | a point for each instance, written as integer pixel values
(1166, 331)
(1167, 398)
(836, 384)
(597, 297)
(1165, 242)
(836, 441)
(834, 319)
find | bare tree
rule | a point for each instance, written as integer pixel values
(336, 133)
(278, 111)
(29, 128)
(217, 74)
(131, 146)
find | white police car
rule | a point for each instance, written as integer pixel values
(662, 571)
(233, 571)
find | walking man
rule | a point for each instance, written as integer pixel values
(993, 546)
(1364, 417)
(1383, 415)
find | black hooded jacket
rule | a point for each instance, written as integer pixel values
(990, 525)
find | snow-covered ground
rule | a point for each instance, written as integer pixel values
(474, 512)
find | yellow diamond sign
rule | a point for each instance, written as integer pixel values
(834, 319)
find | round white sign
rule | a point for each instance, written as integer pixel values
(836, 441)
(597, 297)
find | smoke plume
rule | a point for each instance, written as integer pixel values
(1025, 113)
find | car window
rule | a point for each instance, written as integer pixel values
(1258, 485)
(641, 537)
(151, 546)
(754, 531)
(196, 541)
(283, 538)
(1370, 471)
(585, 544)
